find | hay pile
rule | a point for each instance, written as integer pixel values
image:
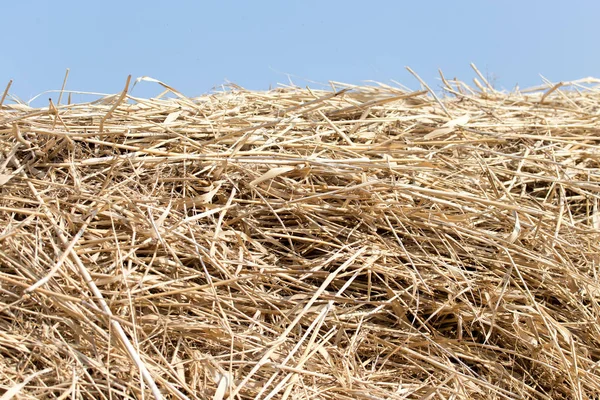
(357, 243)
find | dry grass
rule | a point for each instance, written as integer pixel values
(358, 243)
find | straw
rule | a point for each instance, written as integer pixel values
(364, 242)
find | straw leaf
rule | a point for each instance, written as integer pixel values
(436, 133)
(516, 230)
(172, 117)
(4, 178)
(272, 173)
(448, 127)
(462, 120)
(223, 384)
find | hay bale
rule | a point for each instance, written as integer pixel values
(360, 243)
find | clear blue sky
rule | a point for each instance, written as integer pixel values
(195, 45)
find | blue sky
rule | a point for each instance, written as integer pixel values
(195, 46)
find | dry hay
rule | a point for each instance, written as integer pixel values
(353, 243)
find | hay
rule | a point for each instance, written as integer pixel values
(357, 243)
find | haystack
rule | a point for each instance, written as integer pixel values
(347, 243)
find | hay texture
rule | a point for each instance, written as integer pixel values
(347, 243)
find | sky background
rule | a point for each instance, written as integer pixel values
(196, 46)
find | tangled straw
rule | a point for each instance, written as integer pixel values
(359, 243)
